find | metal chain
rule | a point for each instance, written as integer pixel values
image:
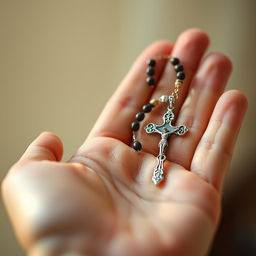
(177, 86)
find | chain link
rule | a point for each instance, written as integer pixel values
(177, 86)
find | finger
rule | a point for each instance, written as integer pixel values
(47, 146)
(128, 99)
(206, 88)
(214, 151)
(189, 48)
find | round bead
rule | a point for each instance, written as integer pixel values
(151, 62)
(135, 126)
(140, 116)
(147, 108)
(164, 98)
(178, 83)
(181, 75)
(154, 102)
(178, 68)
(175, 61)
(150, 71)
(137, 145)
(150, 80)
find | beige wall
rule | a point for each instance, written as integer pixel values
(61, 60)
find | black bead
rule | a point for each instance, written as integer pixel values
(150, 80)
(140, 116)
(178, 68)
(181, 75)
(137, 145)
(150, 71)
(175, 61)
(151, 62)
(147, 108)
(135, 126)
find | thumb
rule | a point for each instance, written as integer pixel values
(47, 146)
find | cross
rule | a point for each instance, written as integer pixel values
(165, 129)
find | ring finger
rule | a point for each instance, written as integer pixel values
(206, 88)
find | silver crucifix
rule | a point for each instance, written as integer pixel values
(165, 129)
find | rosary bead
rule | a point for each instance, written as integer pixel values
(178, 84)
(150, 80)
(147, 108)
(164, 98)
(150, 71)
(151, 62)
(181, 75)
(178, 68)
(140, 116)
(175, 61)
(154, 102)
(135, 126)
(137, 145)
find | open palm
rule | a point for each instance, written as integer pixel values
(103, 201)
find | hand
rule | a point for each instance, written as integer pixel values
(103, 201)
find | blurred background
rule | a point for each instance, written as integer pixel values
(61, 60)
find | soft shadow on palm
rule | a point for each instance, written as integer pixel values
(139, 217)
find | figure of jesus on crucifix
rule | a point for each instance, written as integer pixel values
(165, 129)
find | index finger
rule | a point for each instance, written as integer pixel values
(133, 92)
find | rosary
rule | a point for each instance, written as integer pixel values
(166, 128)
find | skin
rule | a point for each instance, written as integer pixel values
(103, 201)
